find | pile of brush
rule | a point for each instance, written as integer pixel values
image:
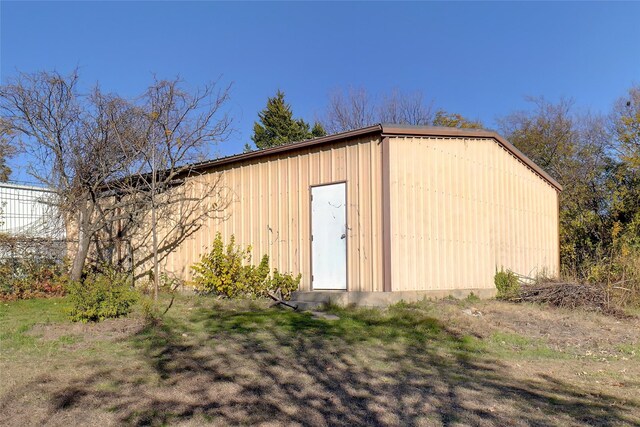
(569, 295)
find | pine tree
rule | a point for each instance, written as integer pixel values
(277, 125)
(318, 130)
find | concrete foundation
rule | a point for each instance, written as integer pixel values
(382, 299)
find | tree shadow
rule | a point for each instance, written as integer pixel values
(270, 366)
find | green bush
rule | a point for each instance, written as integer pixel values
(284, 282)
(149, 308)
(507, 284)
(227, 271)
(101, 296)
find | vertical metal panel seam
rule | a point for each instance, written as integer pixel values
(386, 216)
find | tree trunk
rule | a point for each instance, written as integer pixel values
(84, 241)
(81, 255)
(156, 270)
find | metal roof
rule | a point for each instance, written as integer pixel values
(384, 130)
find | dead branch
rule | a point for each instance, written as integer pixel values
(280, 301)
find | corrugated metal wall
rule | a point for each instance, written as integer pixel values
(270, 210)
(460, 208)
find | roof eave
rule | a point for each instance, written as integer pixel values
(289, 147)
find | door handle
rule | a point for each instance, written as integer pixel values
(344, 236)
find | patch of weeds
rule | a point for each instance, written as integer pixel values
(108, 386)
(517, 346)
(17, 339)
(149, 309)
(472, 298)
(249, 321)
(629, 350)
(507, 284)
(468, 345)
(513, 340)
(69, 339)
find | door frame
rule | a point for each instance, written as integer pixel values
(346, 249)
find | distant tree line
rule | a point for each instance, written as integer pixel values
(347, 110)
(351, 108)
(597, 160)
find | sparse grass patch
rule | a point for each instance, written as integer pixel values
(629, 350)
(243, 362)
(515, 346)
(17, 318)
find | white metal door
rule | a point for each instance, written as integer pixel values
(329, 237)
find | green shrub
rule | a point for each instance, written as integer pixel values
(149, 308)
(472, 297)
(507, 284)
(227, 271)
(284, 282)
(101, 296)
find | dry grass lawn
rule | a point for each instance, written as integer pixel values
(224, 363)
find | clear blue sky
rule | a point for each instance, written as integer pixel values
(478, 59)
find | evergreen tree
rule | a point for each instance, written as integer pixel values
(318, 130)
(277, 125)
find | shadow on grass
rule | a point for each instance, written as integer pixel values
(397, 367)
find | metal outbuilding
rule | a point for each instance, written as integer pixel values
(387, 212)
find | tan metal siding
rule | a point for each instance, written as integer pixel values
(270, 210)
(462, 208)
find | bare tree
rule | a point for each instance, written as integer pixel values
(355, 108)
(68, 136)
(110, 161)
(350, 109)
(547, 134)
(405, 109)
(179, 127)
(6, 150)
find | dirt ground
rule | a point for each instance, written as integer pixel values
(211, 363)
(563, 330)
(107, 330)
